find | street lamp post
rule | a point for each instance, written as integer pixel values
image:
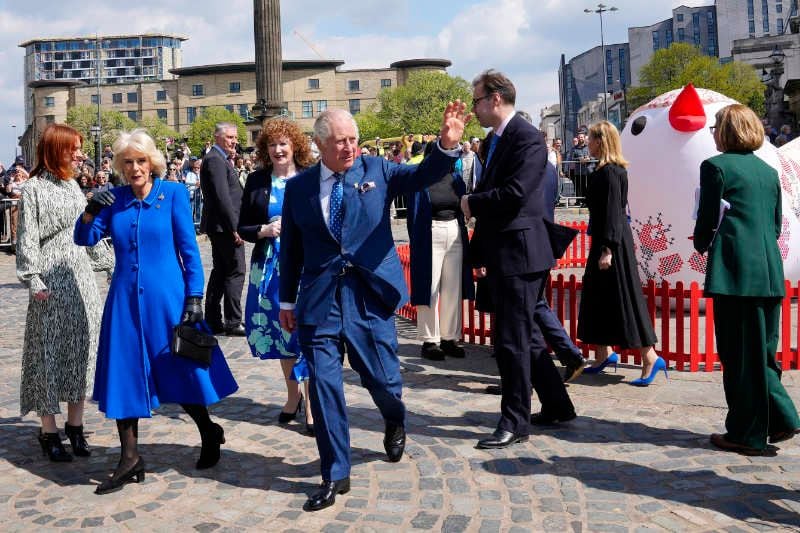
(98, 140)
(16, 141)
(601, 8)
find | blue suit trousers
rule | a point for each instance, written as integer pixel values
(362, 324)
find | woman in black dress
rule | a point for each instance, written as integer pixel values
(612, 309)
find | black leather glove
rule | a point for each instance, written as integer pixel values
(99, 201)
(192, 310)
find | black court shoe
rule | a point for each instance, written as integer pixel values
(285, 418)
(119, 479)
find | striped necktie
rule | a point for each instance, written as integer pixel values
(335, 211)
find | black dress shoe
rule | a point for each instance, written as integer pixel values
(452, 349)
(541, 419)
(119, 479)
(501, 439)
(493, 389)
(326, 495)
(573, 368)
(431, 351)
(217, 329)
(235, 331)
(394, 441)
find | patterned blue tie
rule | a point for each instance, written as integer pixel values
(492, 146)
(336, 213)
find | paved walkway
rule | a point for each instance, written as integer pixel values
(635, 459)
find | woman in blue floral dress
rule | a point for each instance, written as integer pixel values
(284, 151)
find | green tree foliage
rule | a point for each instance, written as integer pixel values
(682, 63)
(202, 129)
(416, 106)
(82, 118)
(159, 131)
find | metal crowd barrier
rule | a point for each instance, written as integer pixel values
(6, 206)
(573, 180)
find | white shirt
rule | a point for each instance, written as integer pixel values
(501, 128)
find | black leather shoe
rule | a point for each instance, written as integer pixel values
(573, 368)
(209, 452)
(52, 447)
(452, 349)
(394, 441)
(77, 440)
(326, 495)
(493, 389)
(235, 331)
(431, 351)
(119, 479)
(217, 329)
(501, 439)
(541, 419)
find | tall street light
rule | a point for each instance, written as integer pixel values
(98, 138)
(601, 8)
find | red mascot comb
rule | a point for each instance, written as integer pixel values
(687, 113)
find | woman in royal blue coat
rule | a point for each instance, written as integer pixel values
(157, 284)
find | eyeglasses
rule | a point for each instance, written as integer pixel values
(478, 99)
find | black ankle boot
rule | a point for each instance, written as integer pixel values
(76, 439)
(209, 453)
(52, 447)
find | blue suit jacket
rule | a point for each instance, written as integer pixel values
(311, 258)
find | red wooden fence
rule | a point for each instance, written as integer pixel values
(682, 317)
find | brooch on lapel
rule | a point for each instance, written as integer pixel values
(161, 196)
(365, 187)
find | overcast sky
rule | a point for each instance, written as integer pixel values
(523, 38)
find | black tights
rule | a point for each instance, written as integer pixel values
(128, 429)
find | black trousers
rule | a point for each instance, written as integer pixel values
(521, 353)
(226, 281)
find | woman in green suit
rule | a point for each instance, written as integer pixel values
(744, 278)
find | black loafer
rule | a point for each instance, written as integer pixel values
(501, 439)
(541, 419)
(451, 349)
(394, 441)
(573, 368)
(431, 351)
(326, 495)
(235, 331)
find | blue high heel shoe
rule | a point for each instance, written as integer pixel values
(660, 364)
(612, 359)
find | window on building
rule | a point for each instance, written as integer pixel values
(162, 114)
(609, 66)
(386, 83)
(681, 35)
(191, 114)
(679, 17)
(779, 25)
(765, 15)
(116, 98)
(49, 119)
(243, 111)
(751, 10)
(133, 98)
(655, 40)
(778, 8)
(623, 74)
(49, 101)
(353, 85)
(96, 99)
(667, 37)
(751, 27)
(322, 105)
(133, 115)
(235, 87)
(313, 83)
(354, 105)
(696, 28)
(229, 107)
(197, 90)
(161, 96)
(307, 109)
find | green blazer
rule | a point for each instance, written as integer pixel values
(743, 259)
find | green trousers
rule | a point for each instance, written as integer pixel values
(747, 339)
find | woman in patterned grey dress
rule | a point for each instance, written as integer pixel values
(63, 322)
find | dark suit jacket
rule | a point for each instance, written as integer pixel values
(510, 236)
(744, 258)
(222, 194)
(311, 259)
(253, 212)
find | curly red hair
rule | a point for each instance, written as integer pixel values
(57, 140)
(277, 128)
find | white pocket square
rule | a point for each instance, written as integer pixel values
(366, 186)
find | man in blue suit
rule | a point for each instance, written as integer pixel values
(511, 244)
(337, 250)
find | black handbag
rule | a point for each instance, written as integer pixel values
(193, 344)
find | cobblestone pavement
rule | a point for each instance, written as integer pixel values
(634, 460)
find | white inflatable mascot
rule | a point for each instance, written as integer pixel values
(665, 141)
